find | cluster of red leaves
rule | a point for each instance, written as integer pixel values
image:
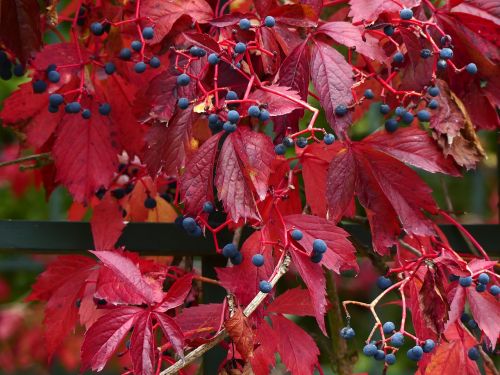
(147, 143)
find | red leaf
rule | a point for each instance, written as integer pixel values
(246, 288)
(157, 99)
(60, 54)
(84, 154)
(451, 355)
(297, 349)
(240, 331)
(486, 311)
(332, 78)
(352, 36)
(263, 358)
(418, 72)
(125, 269)
(294, 71)
(107, 223)
(296, 301)
(433, 304)
(268, 41)
(313, 277)
(20, 27)
(61, 285)
(196, 184)
(456, 298)
(164, 14)
(244, 166)
(277, 104)
(202, 316)
(142, 345)
(204, 41)
(177, 293)
(368, 10)
(103, 338)
(159, 154)
(415, 147)
(340, 254)
(172, 332)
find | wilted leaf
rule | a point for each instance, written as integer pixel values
(240, 331)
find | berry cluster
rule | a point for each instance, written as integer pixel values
(8, 68)
(482, 280)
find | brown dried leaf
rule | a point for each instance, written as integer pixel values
(453, 130)
(240, 331)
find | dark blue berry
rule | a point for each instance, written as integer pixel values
(370, 350)
(379, 355)
(109, 68)
(213, 59)
(265, 286)
(433, 91)
(208, 207)
(147, 33)
(245, 24)
(453, 278)
(183, 103)
(240, 47)
(445, 40)
(397, 340)
(425, 53)
(446, 53)
(196, 232)
(288, 142)
(233, 116)
(464, 318)
(407, 117)
(280, 149)
(56, 100)
(406, 14)
(150, 203)
(383, 282)
(264, 115)
(400, 111)
(433, 104)
(97, 28)
(154, 62)
(495, 290)
(465, 281)
(472, 324)
(297, 235)
(258, 260)
(471, 68)
(423, 115)
(183, 79)
(369, 94)
(136, 45)
(104, 109)
(125, 54)
(473, 353)
(254, 111)
(118, 193)
(483, 278)
(236, 259)
(53, 109)
(398, 58)
(388, 327)
(54, 76)
(189, 224)
(197, 51)
(86, 114)
(319, 246)
(442, 64)
(140, 67)
(329, 139)
(213, 118)
(229, 127)
(391, 125)
(269, 21)
(229, 250)
(390, 359)
(384, 109)
(19, 70)
(428, 346)
(316, 257)
(389, 30)
(73, 107)
(480, 288)
(341, 110)
(415, 353)
(231, 95)
(50, 68)
(347, 333)
(301, 142)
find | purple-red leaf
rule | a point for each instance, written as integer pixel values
(296, 301)
(332, 78)
(142, 345)
(277, 103)
(107, 223)
(177, 293)
(172, 332)
(486, 309)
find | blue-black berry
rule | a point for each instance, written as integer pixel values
(56, 100)
(258, 260)
(213, 59)
(254, 111)
(341, 110)
(473, 353)
(442, 64)
(19, 70)
(388, 327)
(154, 62)
(109, 68)
(280, 149)
(406, 14)
(423, 115)
(483, 278)
(297, 234)
(183, 79)
(428, 346)
(415, 353)
(240, 47)
(319, 246)
(245, 24)
(316, 257)
(465, 281)
(433, 104)
(446, 53)
(73, 107)
(86, 114)
(236, 259)
(104, 109)
(54, 76)
(189, 224)
(233, 116)
(391, 125)
(125, 53)
(140, 67)
(229, 250)
(384, 109)
(389, 30)
(397, 340)
(97, 28)
(301, 142)
(329, 139)
(265, 286)
(147, 33)
(471, 68)
(183, 103)
(231, 95)
(398, 58)
(136, 45)
(379, 355)
(229, 127)
(425, 53)
(383, 282)
(370, 350)
(347, 333)
(208, 207)
(264, 115)
(369, 94)
(433, 91)
(480, 288)
(288, 142)
(150, 203)
(407, 117)
(495, 290)
(390, 359)
(269, 21)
